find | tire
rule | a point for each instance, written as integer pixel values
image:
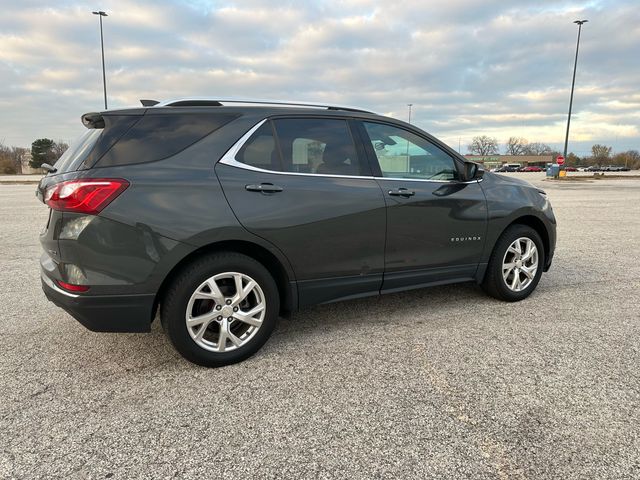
(498, 282)
(202, 309)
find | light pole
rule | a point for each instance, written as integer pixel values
(104, 76)
(409, 105)
(573, 82)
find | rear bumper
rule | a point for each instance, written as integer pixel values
(103, 313)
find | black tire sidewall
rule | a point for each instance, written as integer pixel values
(177, 299)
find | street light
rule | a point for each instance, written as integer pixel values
(573, 82)
(104, 76)
(409, 105)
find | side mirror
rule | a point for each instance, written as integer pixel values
(472, 171)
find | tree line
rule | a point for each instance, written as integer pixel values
(43, 150)
(600, 154)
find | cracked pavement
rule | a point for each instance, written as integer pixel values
(436, 383)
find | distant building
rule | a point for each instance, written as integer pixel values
(24, 165)
(494, 161)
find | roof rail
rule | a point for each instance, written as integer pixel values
(218, 102)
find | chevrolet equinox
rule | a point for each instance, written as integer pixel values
(224, 215)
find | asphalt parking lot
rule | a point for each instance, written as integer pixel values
(436, 383)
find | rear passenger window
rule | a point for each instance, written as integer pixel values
(322, 146)
(155, 137)
(260, 151)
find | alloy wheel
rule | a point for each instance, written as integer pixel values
(225, 312)
(520, 264)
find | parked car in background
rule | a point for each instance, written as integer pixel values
(615, 168)
(570, 169)
(531, 168)
(223, 215)
(509, 167)
(593, 168)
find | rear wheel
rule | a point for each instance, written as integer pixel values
(221, 309)
(515, 266)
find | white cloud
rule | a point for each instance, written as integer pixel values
(491, 67)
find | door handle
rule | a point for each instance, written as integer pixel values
(264, 188)
(401, 192)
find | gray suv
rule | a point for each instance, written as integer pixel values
(224, 215)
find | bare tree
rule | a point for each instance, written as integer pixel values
(59, 148)
(600, 153)
(538, 148)
(8, 164)
(630, 159)
(516, 146)
(484, 145)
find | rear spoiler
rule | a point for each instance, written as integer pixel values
(93, 120)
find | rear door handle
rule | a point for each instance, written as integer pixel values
(401, 192)
(264, 188)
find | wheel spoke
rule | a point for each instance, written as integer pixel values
(201, 331)
(508, 266)
(248, 289)
(214, 294)
(515, 281)
(506, 274)
(222, 337)
(528, 251)
(237, 278)
(200, 319)
(528, 271)
(235, 340)
(248, 317)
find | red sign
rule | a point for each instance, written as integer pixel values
(560, 160)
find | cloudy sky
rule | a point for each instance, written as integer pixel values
(469, 67)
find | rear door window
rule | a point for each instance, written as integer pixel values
(322, 146)
(260, 151)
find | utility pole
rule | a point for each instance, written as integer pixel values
(573, 82)
(409, 105)
(101, 14)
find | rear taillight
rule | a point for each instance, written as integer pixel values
(88, 195)
(71, 287)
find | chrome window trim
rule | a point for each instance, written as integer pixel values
(229, 159)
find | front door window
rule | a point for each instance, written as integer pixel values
(403, 154)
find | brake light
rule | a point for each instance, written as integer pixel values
(71, 287)
(88, 195)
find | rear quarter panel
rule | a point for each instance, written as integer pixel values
(171, 208)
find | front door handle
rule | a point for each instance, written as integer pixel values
(401, 192)
(264, 188)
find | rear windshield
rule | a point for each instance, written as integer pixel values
(78, 151)
(155, 137)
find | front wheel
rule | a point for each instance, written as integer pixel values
(220, 309)
(515, 266)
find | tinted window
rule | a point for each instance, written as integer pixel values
(155, 137)
(260, 150)
(78, 151)
(317, 145)
(114, 127)
(402, 154)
